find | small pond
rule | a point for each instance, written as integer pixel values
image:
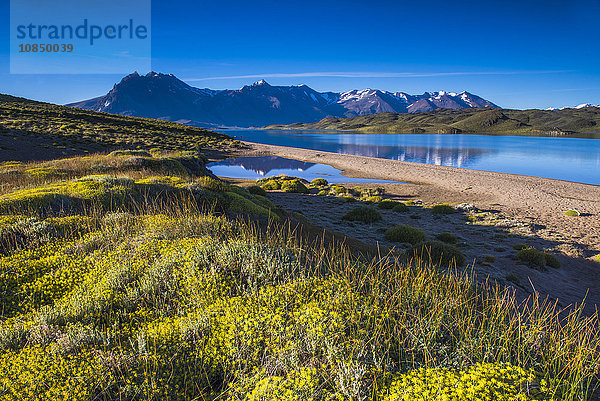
(254, 168)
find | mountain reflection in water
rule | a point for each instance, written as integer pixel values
(267, 166)
(263, 165)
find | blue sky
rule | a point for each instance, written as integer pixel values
(518, 54)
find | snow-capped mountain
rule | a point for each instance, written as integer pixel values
(164, 96)
(581, 106)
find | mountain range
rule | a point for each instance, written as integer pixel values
(166, 97)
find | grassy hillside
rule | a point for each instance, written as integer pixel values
(483, 120)
(38, 130)
(135, 276)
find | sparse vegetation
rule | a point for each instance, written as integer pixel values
(572, 213)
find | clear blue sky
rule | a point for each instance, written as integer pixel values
(518, 54)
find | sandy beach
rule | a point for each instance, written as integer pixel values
(528, 207)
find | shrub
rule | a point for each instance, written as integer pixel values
(323, 193)
(489, 258)
(405, 233)
(596, 258)
(442, 208)
(387, 204)
(400, 208)
(447, 238)
(319, 182)
(373, 199)
(364, 214)
(293, 186)
(339, 189)
(531, 256)
(271, 185)
(256, 190)
(483, 381)
(572, 213)
(438, 252)
(551, 260)
(519, 246)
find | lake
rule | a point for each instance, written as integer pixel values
(564, 158)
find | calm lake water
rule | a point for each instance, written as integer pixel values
(259, 167)
(565, 158)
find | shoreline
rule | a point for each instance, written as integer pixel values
(533, 196)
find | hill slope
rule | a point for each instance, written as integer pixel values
(32, 130)
(476, 120)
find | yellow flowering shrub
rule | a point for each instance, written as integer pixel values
(42, 373)
(483, 381)
(160, 307)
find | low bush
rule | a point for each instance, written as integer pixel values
(387, 204)
(271, 185)
(362, 213)
(551, 260)
(293, 186)
(531, 256)
(534, 257)
(572, 213)
(400, 208)
(447, 238)
(442, 208)
(319, 182)
(438, 252)
(489, 258)
(373, 199)
(256, 190)
(406, 234)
